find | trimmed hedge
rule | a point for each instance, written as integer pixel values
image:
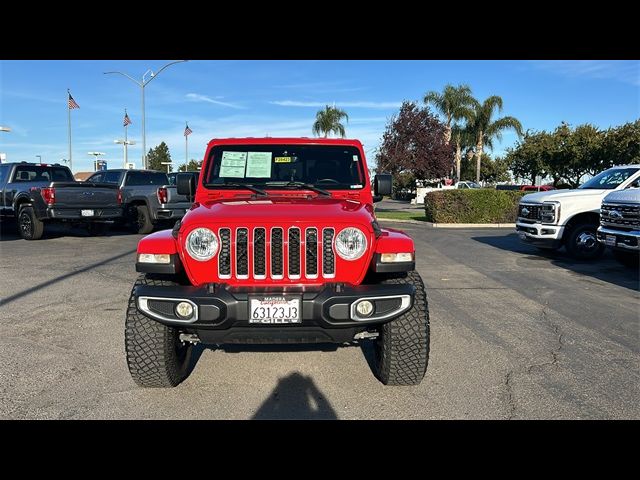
(482, 205)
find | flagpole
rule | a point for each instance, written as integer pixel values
(69, 126)
(186, 149)
(125, 141)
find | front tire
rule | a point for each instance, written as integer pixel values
(582, 242)
(29, 226)
(155, 355)
(402, 348)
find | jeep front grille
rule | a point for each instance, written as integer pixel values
(276, 253)
(621, 216)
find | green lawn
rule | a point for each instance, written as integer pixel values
(402, 215)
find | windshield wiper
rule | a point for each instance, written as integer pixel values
(240, 185)
(308, 186)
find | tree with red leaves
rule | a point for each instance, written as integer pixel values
(415, 142)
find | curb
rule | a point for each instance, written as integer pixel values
(451, 225)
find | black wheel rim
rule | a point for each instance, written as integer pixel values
(26, 226)
(142, 219)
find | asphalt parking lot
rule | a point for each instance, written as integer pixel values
(515, 335)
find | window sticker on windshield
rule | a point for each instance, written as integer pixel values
(355, 186)
(355, 158)
(282, 159)
(233, 164)
(259, 165)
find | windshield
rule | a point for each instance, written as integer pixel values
(330, 167)
(610, 179)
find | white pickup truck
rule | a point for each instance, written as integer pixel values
(620, 225)
(549, 220)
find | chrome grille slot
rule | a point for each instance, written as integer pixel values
(224, 259)
(259, 253)
(293, 248)
(328, 260)
(242, 253)
(311, 253)
(277, 256)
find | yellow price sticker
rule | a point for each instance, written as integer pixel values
(282, 159)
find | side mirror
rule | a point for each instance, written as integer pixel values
(382, 185)
(186, 184)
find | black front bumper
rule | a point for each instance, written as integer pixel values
(223, 311)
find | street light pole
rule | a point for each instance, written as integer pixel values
(143, 84)
(40, 157)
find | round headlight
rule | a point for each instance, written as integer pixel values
(202, 244)
(351, 243)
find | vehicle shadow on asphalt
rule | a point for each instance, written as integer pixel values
(38, 288)
(296, 396)
(9, 232)
(605, 268)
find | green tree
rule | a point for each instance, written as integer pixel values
(192, 166)
(491, 171)
(621, 145)
(486, 129)
(455, 104)
(329, 121)
(157, 155)
(531, 156)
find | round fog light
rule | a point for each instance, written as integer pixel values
(364, 308)
(184, 310)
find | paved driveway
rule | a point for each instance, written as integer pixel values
(515, 334)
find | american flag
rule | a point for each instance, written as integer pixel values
(72, 103)
(127, 120)
(187, 131)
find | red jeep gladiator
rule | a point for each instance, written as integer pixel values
(281, 245)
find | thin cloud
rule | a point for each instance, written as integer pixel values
(295, 103)
(623, 71)
(196, 97)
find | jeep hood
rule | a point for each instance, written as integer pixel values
(280, 210)
(560, 195)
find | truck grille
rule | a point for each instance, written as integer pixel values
(622, 216)
(529, 211)
(276, 253)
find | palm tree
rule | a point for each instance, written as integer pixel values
(463, 139)
(455, 103)
(485, 129)
(328, 120)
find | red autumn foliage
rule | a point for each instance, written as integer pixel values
(414, 141)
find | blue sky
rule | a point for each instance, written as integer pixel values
(280, 98)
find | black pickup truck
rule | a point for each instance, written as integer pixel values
(36, 194)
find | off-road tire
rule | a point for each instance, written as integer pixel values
(583, 253)
(628, 259)
(402, 349)
(155, 355)
(141, 219)
(29, 226)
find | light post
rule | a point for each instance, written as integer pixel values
(143, 83)
(96, 156)
(39, 157)
(125, 143)
(168, 164)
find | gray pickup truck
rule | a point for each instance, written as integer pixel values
(620, 224)
(147, 197)
(36, 194)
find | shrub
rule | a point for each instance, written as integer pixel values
(483, 205)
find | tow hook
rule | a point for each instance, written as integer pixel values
(366, 335)
(192, 338)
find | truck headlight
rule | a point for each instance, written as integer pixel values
(202, 244)
(351, 243)
(548, 213)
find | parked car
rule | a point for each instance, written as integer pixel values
(466, 184)
(147, 197)
(534, 188)
(282, 246)
(570, 218)
(620, 225)
(37, 194)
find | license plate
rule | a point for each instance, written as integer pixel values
(86, 213)
(273, 310)
(522, 235)
(610, 240)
